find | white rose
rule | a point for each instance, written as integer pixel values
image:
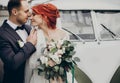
(56, 59)
(59, 44)
(44, 60)
(52, 44)
(59, 52)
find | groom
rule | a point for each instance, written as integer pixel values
(13, 51)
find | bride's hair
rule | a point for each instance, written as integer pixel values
(49, 13)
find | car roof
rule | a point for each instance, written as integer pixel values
(85, 4)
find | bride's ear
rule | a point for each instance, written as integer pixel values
(44, 20)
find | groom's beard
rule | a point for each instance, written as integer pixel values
(22, 21)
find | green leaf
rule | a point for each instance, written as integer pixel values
(41, 67)
(53, 50)
(61, 71)
(72, 53)
(68, 59)
(47, 75)
(56, 68)
(71, 48)
(67, 49)
(66, 42)
(41, 73)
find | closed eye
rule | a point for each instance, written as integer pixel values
(33, 14)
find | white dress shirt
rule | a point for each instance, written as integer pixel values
(22, 33)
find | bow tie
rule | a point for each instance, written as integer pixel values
(19, 28)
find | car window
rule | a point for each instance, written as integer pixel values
(109, 25)
(79, 23)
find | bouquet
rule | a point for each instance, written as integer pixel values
(57, 60)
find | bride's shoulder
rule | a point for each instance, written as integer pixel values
(63, 33)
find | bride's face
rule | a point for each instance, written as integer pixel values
(36, 20)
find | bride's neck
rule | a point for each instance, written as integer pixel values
(44, 29)
(48, 32)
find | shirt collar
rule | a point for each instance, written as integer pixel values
(14, 26)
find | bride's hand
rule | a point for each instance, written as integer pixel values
(53, 80)
(59, 80)
(51, 63)
(32, 38)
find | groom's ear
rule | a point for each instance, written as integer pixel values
(14, 11)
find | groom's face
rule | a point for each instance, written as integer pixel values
(23, 13)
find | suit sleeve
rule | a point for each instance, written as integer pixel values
(11, 59)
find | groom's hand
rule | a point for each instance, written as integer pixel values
(32, 38)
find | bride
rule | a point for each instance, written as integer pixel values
(44, 16)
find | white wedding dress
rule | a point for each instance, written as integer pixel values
(31, 74)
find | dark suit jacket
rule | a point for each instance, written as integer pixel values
(12, 54)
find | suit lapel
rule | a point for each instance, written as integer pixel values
(11, 31)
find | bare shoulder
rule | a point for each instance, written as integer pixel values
(62, 33)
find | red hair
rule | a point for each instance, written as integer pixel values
(48, 10)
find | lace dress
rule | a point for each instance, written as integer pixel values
(31, 74)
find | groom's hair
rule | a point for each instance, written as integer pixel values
(13, 4)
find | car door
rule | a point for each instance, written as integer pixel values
(96, 35)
